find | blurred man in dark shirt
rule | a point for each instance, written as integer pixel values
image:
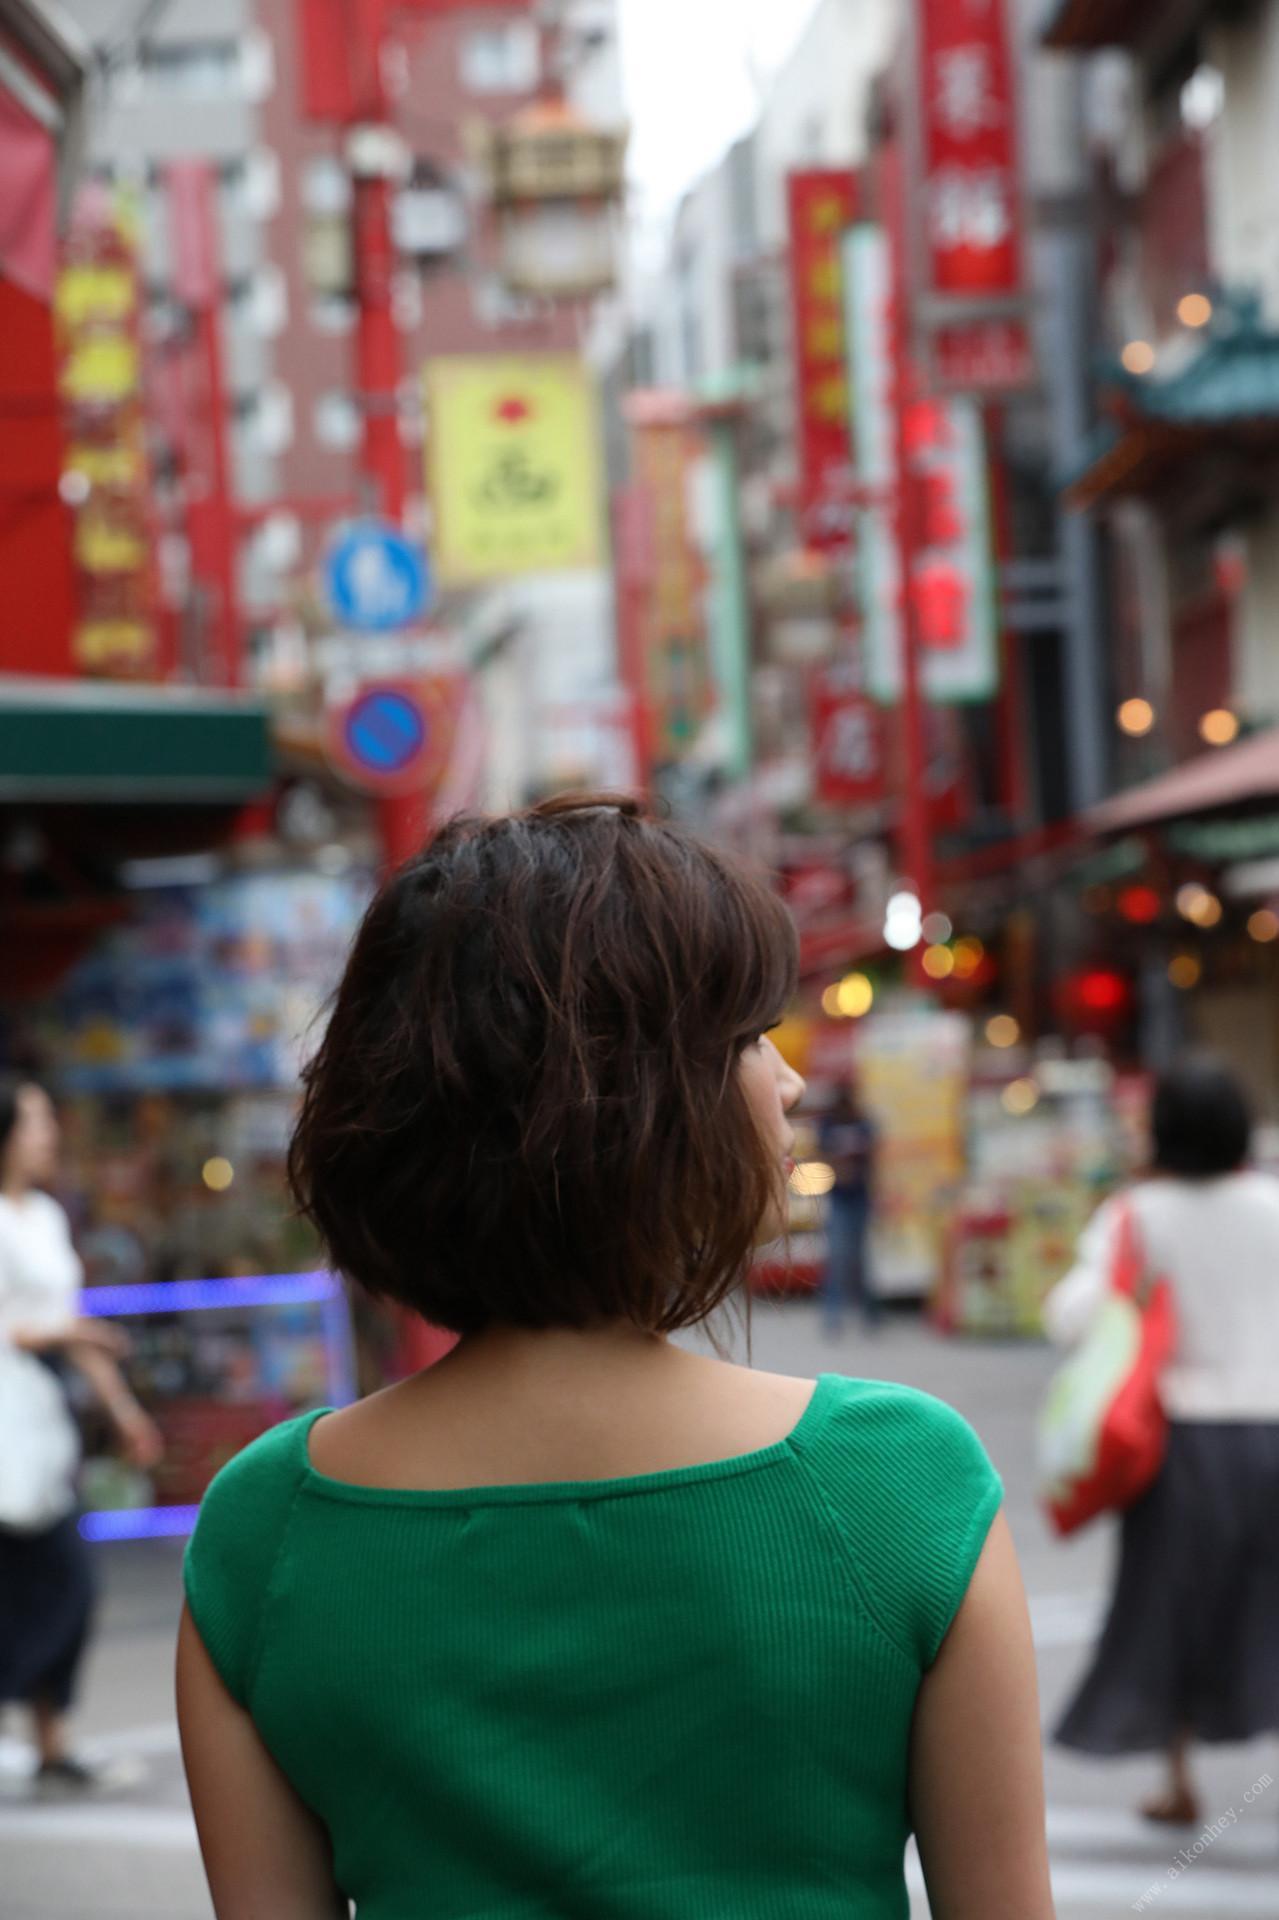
(847, 1140)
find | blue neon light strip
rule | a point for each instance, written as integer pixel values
(139, 1523)
(196, 1296)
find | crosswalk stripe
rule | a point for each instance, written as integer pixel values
(1066, 1619)
(1240, 1874)
(1237, 1877)
(1203, 1895)
(1255, 1837)
(154, 1828)
(17, 1758)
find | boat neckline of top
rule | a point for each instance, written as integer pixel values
(513, 1493)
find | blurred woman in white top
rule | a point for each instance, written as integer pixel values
(1190, 1649)
(46, 1584)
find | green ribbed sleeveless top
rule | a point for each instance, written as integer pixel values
(664, 1697)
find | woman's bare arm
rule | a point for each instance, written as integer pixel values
(136, 1431)
(71, 1337)
(977, 1778)
(265, 1854)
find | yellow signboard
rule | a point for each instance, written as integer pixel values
(513, 466)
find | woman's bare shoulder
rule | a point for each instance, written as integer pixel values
(451, 1431)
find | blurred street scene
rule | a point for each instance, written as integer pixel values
(858, 432)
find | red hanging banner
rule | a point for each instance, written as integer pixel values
(973, 243)
(823, 202)
(848, 740)
(661, 581)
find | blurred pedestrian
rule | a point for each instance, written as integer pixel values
(846, 1140)
(578, 1620)
(1190, 1648)
(46, 1581)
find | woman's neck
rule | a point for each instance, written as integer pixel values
(553, 1354)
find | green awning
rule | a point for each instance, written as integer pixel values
(87, 740)
(1234, 376)
(1226, 394)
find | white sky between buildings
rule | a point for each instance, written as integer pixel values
(692, 71)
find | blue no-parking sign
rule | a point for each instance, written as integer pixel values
(395, 735)
(384, 731)
(376, 578)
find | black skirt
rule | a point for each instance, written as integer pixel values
(1191, 1642)
(47, 1593)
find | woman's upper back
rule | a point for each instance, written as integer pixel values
(604, 1696)
(1217, 1241)
(40, 1272)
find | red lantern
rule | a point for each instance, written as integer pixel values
(1140, 906)
(1097, 1000)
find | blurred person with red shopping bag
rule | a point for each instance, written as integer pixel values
(1173, 1308)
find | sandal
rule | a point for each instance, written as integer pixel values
(1176, 1808)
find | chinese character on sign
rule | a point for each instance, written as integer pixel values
(928, 428)
(824, 339)
(824, 280)
(943, 523)
(848, 742)
(851, 744)
(971, 208)
(966, 102)
(829, 399)
(939, 594)
(828, 215)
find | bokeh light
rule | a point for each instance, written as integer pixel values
(1196, 904)
(1194, 310)
(849, 998)
(1003, 1031)
(1136, 718)
(1020, 1097)
(1138, 357)
(1219, 727)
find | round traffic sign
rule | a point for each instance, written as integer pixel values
(395, 735)
(384, 731)
(376, 578)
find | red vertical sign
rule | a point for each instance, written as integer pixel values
(662, 579)
(848, 740)
(635, 563)
(973, 241)
(823, 202)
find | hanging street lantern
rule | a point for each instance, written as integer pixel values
(557, 181)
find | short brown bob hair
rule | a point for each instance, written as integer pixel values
(525, 1110)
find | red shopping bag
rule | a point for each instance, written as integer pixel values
(1103, 1431)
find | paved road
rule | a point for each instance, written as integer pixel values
(134, 1857)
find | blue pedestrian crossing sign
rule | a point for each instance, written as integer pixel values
(376, 579)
